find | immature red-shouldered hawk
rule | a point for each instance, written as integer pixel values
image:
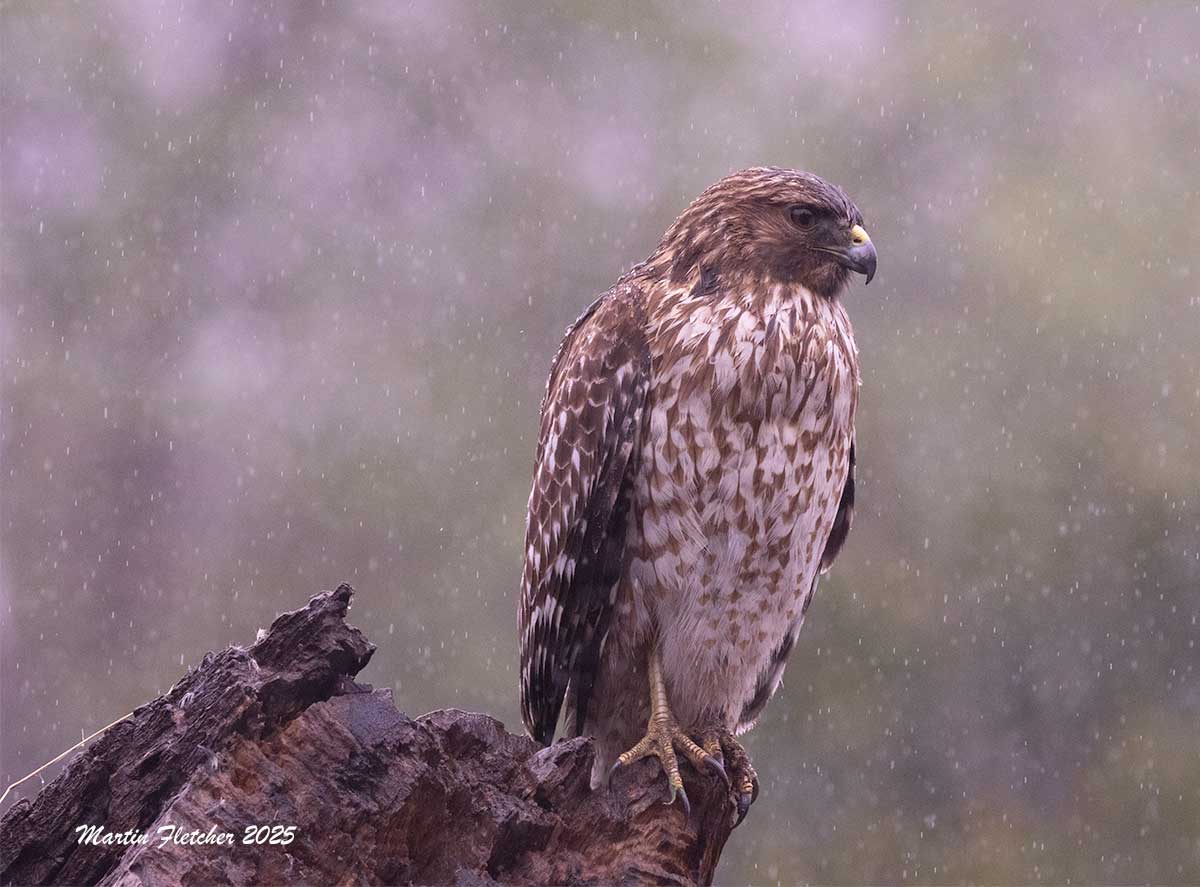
(694, 475)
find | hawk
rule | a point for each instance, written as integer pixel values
(694, 476)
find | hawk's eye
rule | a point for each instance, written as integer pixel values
(802, 216)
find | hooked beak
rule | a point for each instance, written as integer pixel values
(858, 255)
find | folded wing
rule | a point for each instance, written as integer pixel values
(591, 428)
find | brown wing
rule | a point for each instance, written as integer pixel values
(575, 530)
(842, 520)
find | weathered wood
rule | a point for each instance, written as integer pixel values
(279, 735)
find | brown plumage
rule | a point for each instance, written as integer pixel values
(694, 473)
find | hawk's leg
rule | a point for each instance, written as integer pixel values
(721, 745)
(663, 735)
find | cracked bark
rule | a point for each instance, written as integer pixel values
(279, 734)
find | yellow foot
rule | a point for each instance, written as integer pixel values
(662, 737)
(721, 745)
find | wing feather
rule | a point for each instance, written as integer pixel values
(575, 530)
(843, 519)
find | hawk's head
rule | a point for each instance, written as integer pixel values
(779, 224)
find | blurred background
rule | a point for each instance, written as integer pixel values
(281, 287)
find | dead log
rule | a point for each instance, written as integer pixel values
(201, 785)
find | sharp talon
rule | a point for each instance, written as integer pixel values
(754, 797)
(687, 807)
(670, 794)
(713, 764)
(743, 807)
(611, 770)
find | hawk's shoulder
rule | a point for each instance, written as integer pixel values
(609, 335)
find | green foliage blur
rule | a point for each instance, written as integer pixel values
(281, 284)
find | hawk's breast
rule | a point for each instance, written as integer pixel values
(743, 462)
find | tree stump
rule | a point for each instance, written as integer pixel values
(201, 786)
